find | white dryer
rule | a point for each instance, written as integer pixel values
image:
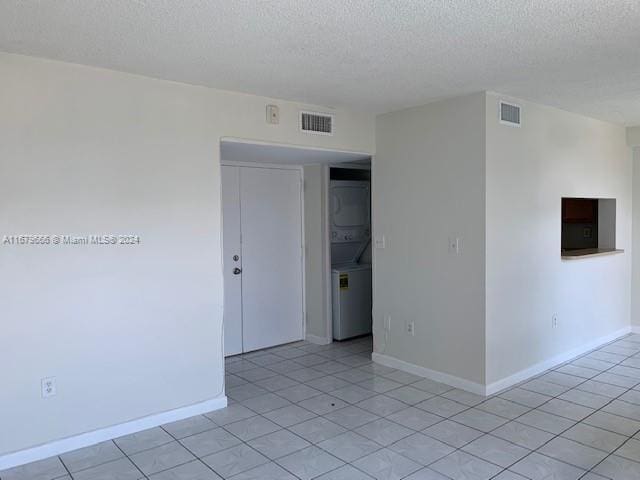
(350, 219)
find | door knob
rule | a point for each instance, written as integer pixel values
(237, 271)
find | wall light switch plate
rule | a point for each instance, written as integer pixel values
(454, 245)
(273, 114)
(49, 388)
(380, 242)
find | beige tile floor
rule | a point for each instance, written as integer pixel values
(303, 411)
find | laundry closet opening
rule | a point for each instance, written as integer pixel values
(296, 248)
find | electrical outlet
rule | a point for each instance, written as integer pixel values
(387, 323)
(411, 328)
(554, 321)
(380, 242)
(48, 387)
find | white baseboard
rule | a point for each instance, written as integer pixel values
(69, 444)
(434, 375)
(554, 361)
(506, 382)
(318, 340)
(635, 328)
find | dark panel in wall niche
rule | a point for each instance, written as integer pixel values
(579, 223)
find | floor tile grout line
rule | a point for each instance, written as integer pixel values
(482, 434)
(312, 444)
(580, 421)
(59, 457)
(586, 471)
(99, 464)
(270, 460)
(409, 384)
(198, 457)
(530, 408)
(421, 431)
(572, 388)
(380, 417)
(129, 458)
(246, 442)
(620, 446)
(92, 466)
(144, 449)
(612, 454)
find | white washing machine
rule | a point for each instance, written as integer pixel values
(351, 298)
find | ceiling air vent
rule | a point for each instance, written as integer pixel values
(509, 114)
(317, 123)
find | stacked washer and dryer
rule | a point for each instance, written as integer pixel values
(350, 221)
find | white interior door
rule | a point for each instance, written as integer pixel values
(231, 249)
(271, 225)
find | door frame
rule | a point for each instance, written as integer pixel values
(325, 227)
(271, 166)
(327, 236)
(326, 232)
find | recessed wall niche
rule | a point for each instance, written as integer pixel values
(588, 227)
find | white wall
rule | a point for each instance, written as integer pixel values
(635, 290)
(429, 185)
(435, 167)
(529, 169)
(316, 239)
(127, 331)
(633, 136)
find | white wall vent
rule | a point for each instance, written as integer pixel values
(510, 114)
(316, 123)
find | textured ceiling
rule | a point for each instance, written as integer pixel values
(375, 55)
